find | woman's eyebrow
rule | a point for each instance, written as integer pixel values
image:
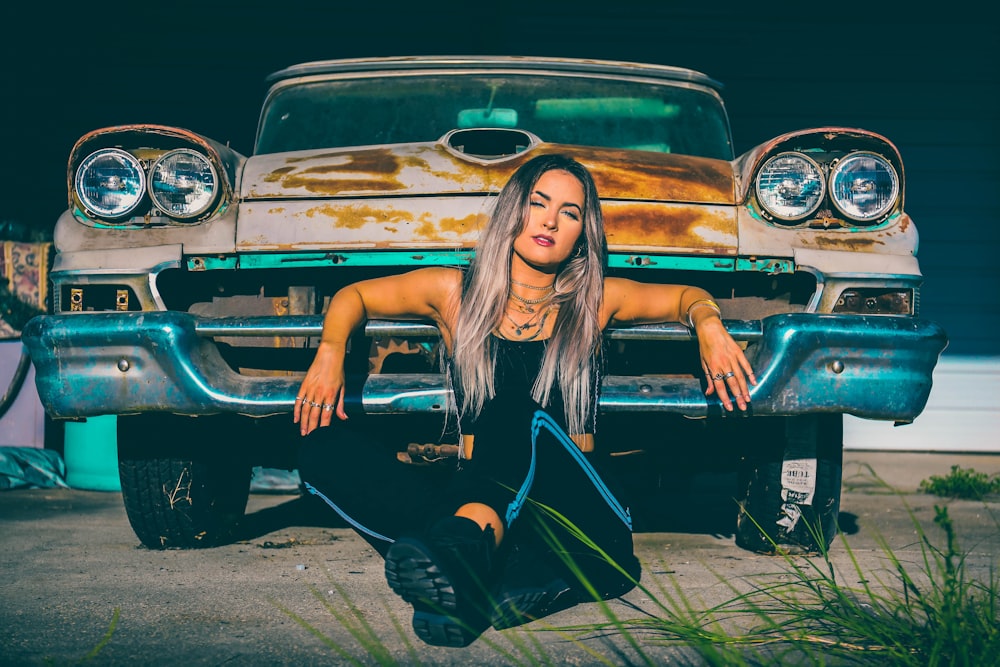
(549, 199)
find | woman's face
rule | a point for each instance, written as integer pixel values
(555, 222)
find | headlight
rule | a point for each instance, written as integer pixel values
(110, 183)
(864, 186)
(790, 186)
(183, 183)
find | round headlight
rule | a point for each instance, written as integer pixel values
(183, 184)
(864, 186)
(790, 186)
(110, 183)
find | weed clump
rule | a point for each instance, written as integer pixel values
(964, 483)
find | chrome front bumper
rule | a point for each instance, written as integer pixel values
(92, 364)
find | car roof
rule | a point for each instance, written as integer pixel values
(494, 62)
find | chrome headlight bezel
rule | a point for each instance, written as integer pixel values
(775, 182)
(132, 183)
(204, 200)
(843, 189)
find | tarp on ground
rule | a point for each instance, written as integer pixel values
(31, 468)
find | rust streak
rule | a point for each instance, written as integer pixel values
(690, 183)
(278, 174)
(440, 230)
(428, 230)
(374, 170)
(462, 226)
(851, 242)
(639, 225)
(333, 187)
(356, 217)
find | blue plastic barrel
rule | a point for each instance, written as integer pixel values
(90, 451)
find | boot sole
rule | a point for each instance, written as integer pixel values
(412, 574)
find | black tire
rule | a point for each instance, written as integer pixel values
(799, 515)
(177, 494)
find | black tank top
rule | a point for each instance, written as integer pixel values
(517, 367)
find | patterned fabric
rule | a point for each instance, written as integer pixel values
(24, 273)
(27, 468)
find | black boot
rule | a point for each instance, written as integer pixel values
(529, 589)
(446, 575)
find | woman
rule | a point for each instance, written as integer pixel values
(526, 523)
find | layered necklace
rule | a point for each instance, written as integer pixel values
(533, 327)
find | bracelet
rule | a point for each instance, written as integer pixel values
(701, 302)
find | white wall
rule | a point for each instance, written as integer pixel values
(962, 413)
(24, 423)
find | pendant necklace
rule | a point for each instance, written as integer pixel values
(530, 324)
(518, 328)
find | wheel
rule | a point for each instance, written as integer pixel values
(789, 488)
(176, 494)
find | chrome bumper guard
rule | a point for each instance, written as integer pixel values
(92, 364)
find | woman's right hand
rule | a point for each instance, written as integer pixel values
(321, 394)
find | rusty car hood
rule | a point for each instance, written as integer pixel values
(431, 196)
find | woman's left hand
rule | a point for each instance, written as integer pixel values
(726, 367)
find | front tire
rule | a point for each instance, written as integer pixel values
(180, 486)
(789, 486)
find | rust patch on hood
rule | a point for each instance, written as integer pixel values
(462, 226)
(692, 181)
(851, 242)
(624, 174)
(335, 173)
(447, 229)
(678, 226)
(345, 225)
(356, 217)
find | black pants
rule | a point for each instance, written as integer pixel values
(559, 511)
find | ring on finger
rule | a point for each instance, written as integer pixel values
(328, 406)
(730, 374)
(314, 404)
(718, 376)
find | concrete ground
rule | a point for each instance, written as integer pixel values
(71, 568)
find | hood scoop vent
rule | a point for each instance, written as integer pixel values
(489, 143)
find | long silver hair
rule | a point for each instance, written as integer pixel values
(574, 346)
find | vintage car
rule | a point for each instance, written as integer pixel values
(190, 280)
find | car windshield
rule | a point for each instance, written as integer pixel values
(577, 110)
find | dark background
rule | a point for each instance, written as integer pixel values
(925, 78)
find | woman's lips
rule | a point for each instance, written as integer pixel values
(544, 240)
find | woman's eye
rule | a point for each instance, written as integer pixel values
(571, 214)
(536, 203)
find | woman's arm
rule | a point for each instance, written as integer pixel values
(428, 294)
(722, 359)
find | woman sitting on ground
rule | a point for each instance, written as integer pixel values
(496, 539)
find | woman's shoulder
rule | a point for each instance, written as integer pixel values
(442, 276)
(443, 285)
(615, 283)
(614, 290)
